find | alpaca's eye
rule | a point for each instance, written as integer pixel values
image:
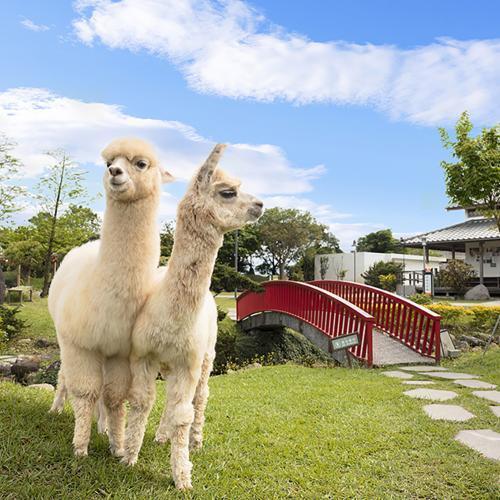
(228, 193)
(142, 164)
(109, 163)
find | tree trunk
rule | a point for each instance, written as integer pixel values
(18, 276)
(2, 286)
(282, 271)
(48, 256)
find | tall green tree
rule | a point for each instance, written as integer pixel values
(284, 236)
(166, 241)
(11, 195)
(248, 244)
(473, 179)
(26, 254)
(379, 241)
(62, 184)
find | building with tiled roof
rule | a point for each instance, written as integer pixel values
(477, 237)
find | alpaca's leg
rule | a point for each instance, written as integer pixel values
(199, 404)
(163, 431)
(60, 395)
(115, 390)
(141, 398)
(182, 389)
(100, 414)
(83, 379)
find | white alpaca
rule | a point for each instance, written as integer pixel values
(98, 290)
(177, 327)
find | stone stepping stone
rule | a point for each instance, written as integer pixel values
(450, 375)
(489, 395)
(418, 382)
(485, 441)
(432, 394)
(451, 413)
(495, 410)
(422, 368)
(475, 384)
(397, 374)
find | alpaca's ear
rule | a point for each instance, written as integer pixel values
(166, 177)
(207, 169)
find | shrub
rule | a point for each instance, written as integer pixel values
(221, 314)
(373, 275)
(421, 298)
(10, 325)
(388, 282)
(456, 275)
(237, 349)
(467, 320)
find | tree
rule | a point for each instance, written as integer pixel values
(384, 274)
(284, 237)
(456, 275)
(248, 244)
(474, 178)
(25, 254)
(62, 183)
(9, 194)
(226, 278)
(379, 241)
(166, 241)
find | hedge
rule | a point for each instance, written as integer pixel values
(479, 317)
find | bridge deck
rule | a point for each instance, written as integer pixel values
(388, 351)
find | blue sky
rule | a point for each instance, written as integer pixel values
(330, 106)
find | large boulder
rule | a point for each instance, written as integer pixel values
(22, 367)
(479, 292)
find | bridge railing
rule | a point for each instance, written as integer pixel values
(330, 314)
(415, 326)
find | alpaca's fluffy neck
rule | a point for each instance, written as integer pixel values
(191, 264)
(130, 240)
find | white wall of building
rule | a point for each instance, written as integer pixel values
(491, 258)
(336, 263)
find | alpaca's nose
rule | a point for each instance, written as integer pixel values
(114, 171)
(259, 204)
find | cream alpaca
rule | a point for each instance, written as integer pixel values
(98, 290)
(177, 327)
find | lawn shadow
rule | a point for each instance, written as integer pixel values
(37, 455)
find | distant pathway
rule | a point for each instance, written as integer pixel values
(484, 441)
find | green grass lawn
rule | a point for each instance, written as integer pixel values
(225, 302)
(275, 432)
(39, 322)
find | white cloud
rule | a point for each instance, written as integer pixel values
(32, 26)
(39, 120)
(228, 48)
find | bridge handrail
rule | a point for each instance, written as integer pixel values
(379, 291)
(326, 311)
(397, 316)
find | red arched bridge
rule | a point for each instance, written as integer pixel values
(391, 329)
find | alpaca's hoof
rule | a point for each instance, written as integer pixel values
(128, 460)
(161, 438)
(182, 476)
(195, 443)
(116, 452)
(183, 484)
(56, 409)
(81, 451)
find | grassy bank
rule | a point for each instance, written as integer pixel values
(274, 432)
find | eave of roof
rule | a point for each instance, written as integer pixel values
(472, 230)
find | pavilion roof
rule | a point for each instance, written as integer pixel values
(481, 229)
